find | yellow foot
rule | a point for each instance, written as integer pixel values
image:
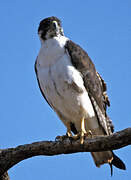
(83, 131)
(84, 134)
(74, 137)
(69, 134)
(89, 133)
(82, 137)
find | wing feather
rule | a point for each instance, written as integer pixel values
(95, 85)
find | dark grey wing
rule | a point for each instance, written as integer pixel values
(93, 82)
(39, 83)
(103, 84)
(106, 103)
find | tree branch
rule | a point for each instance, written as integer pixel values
(11, 156)
(5, 176)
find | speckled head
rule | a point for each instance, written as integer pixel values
(49, 28)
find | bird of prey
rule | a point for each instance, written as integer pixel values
(73, 88)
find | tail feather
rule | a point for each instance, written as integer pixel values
(111, 168)
(117, 162)
(102, 157)
(108, 157)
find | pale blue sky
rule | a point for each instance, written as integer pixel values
(103, 29)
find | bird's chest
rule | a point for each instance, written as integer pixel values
(62, 84)
(56, 79)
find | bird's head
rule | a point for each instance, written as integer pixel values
(49, 28)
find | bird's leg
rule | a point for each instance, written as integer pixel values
(81, 134)
(68, 133)
(83, 131)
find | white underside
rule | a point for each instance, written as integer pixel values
(57, 77)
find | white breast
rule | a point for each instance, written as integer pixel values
(51, 51)
(61, 83)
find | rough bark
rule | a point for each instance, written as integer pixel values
(5, 176)
(11, 156)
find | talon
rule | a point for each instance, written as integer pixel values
(76, 136)
(69, 134)
(89, 133)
